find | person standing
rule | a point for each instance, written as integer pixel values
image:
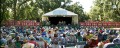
(79, 37)
(41, 43)
(18, 43)
(63, 40)
(55, 41)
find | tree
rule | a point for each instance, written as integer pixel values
(4, 12)
(33, 9)
(106, 10)
(76, 8)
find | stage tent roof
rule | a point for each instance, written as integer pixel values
(60, 12)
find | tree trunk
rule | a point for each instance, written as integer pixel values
(15, 17)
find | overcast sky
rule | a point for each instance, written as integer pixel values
(86, 4)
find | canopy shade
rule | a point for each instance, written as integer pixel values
(60, 12)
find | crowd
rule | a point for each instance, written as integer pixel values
(58, 37)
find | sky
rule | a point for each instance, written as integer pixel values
(86, 4)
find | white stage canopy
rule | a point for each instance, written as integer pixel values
(60, 12)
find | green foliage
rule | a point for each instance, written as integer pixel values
(4, 12)
(33, 9)
(76, 8)
(105, 10)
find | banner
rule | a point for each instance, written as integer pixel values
(101, 24)
(21, 23)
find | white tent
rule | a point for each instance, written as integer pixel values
(61, 12)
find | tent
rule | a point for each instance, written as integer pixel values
(60, 12)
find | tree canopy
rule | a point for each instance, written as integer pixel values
(33, 9)
(105, 10)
